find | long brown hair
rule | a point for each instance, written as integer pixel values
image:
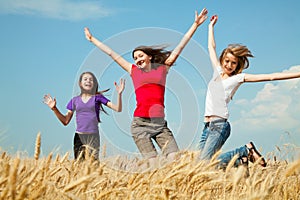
(239, 51)
(157, 52)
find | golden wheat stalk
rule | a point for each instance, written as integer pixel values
(22, 192)
(47, 163)
(239, 174)
(76, 183)
(187, 178)
(293, 168)
(37, 146)
(13, 178)
(231, 163)
(54, 171)
(3, 155)
(65, 157)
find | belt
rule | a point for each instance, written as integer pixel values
(215, 121)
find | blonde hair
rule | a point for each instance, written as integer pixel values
(241, 52)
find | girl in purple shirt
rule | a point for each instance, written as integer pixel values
(87, 106)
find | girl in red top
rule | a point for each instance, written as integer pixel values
(148, 74)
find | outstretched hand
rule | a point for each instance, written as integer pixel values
(199, 19)
(121, 86)
(88, 34)
(51, 102)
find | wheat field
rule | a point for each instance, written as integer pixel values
(120, 177)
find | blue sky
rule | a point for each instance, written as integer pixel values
(43, 49)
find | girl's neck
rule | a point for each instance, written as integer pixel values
(147, 68)
(224, 75)
(86, 95)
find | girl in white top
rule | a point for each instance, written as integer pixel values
(226, 80)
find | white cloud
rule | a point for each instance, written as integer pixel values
(56, 9)
(276, 106)
(269, 116)
(241, 101)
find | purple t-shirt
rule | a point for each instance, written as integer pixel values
(87, 114)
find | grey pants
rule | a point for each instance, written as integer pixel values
(145, 130)
(86, 143)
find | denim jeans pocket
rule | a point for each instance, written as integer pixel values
(222, 128)
(216, 127)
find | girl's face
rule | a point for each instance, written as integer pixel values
(87, 82)
(229, 64)
(142, 60)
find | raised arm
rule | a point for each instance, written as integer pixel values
(51, 102)
(120, 89)
(271, 77)
(211, 42)
(116, 57)
(199, 19)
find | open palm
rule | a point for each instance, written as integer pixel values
(121, 86)
(199, 19)
(51, 102)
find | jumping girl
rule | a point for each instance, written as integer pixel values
(87, 106)
(148, 74)
(228, 76)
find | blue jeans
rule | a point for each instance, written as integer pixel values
(214, 135)
(226, 157)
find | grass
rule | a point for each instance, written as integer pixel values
(126, 178)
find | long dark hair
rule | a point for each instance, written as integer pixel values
(157, 52)
(94, 89)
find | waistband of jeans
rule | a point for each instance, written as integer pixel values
(85, 133)
(147, 119)
(220, 120)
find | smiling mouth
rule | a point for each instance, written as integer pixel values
(228, 69)
(140, 62)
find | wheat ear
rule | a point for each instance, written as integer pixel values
(37, 146)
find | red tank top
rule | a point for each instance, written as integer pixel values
(149, 91)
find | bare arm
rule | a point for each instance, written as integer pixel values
(51, 102)
(116, 57)
(120, 89)
(211, 42)
(199, 19)
(271, 77)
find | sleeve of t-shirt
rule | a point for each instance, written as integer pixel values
(70, 105)
(240, 77)
(217, 71)
(133, 68)
(102, 99)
